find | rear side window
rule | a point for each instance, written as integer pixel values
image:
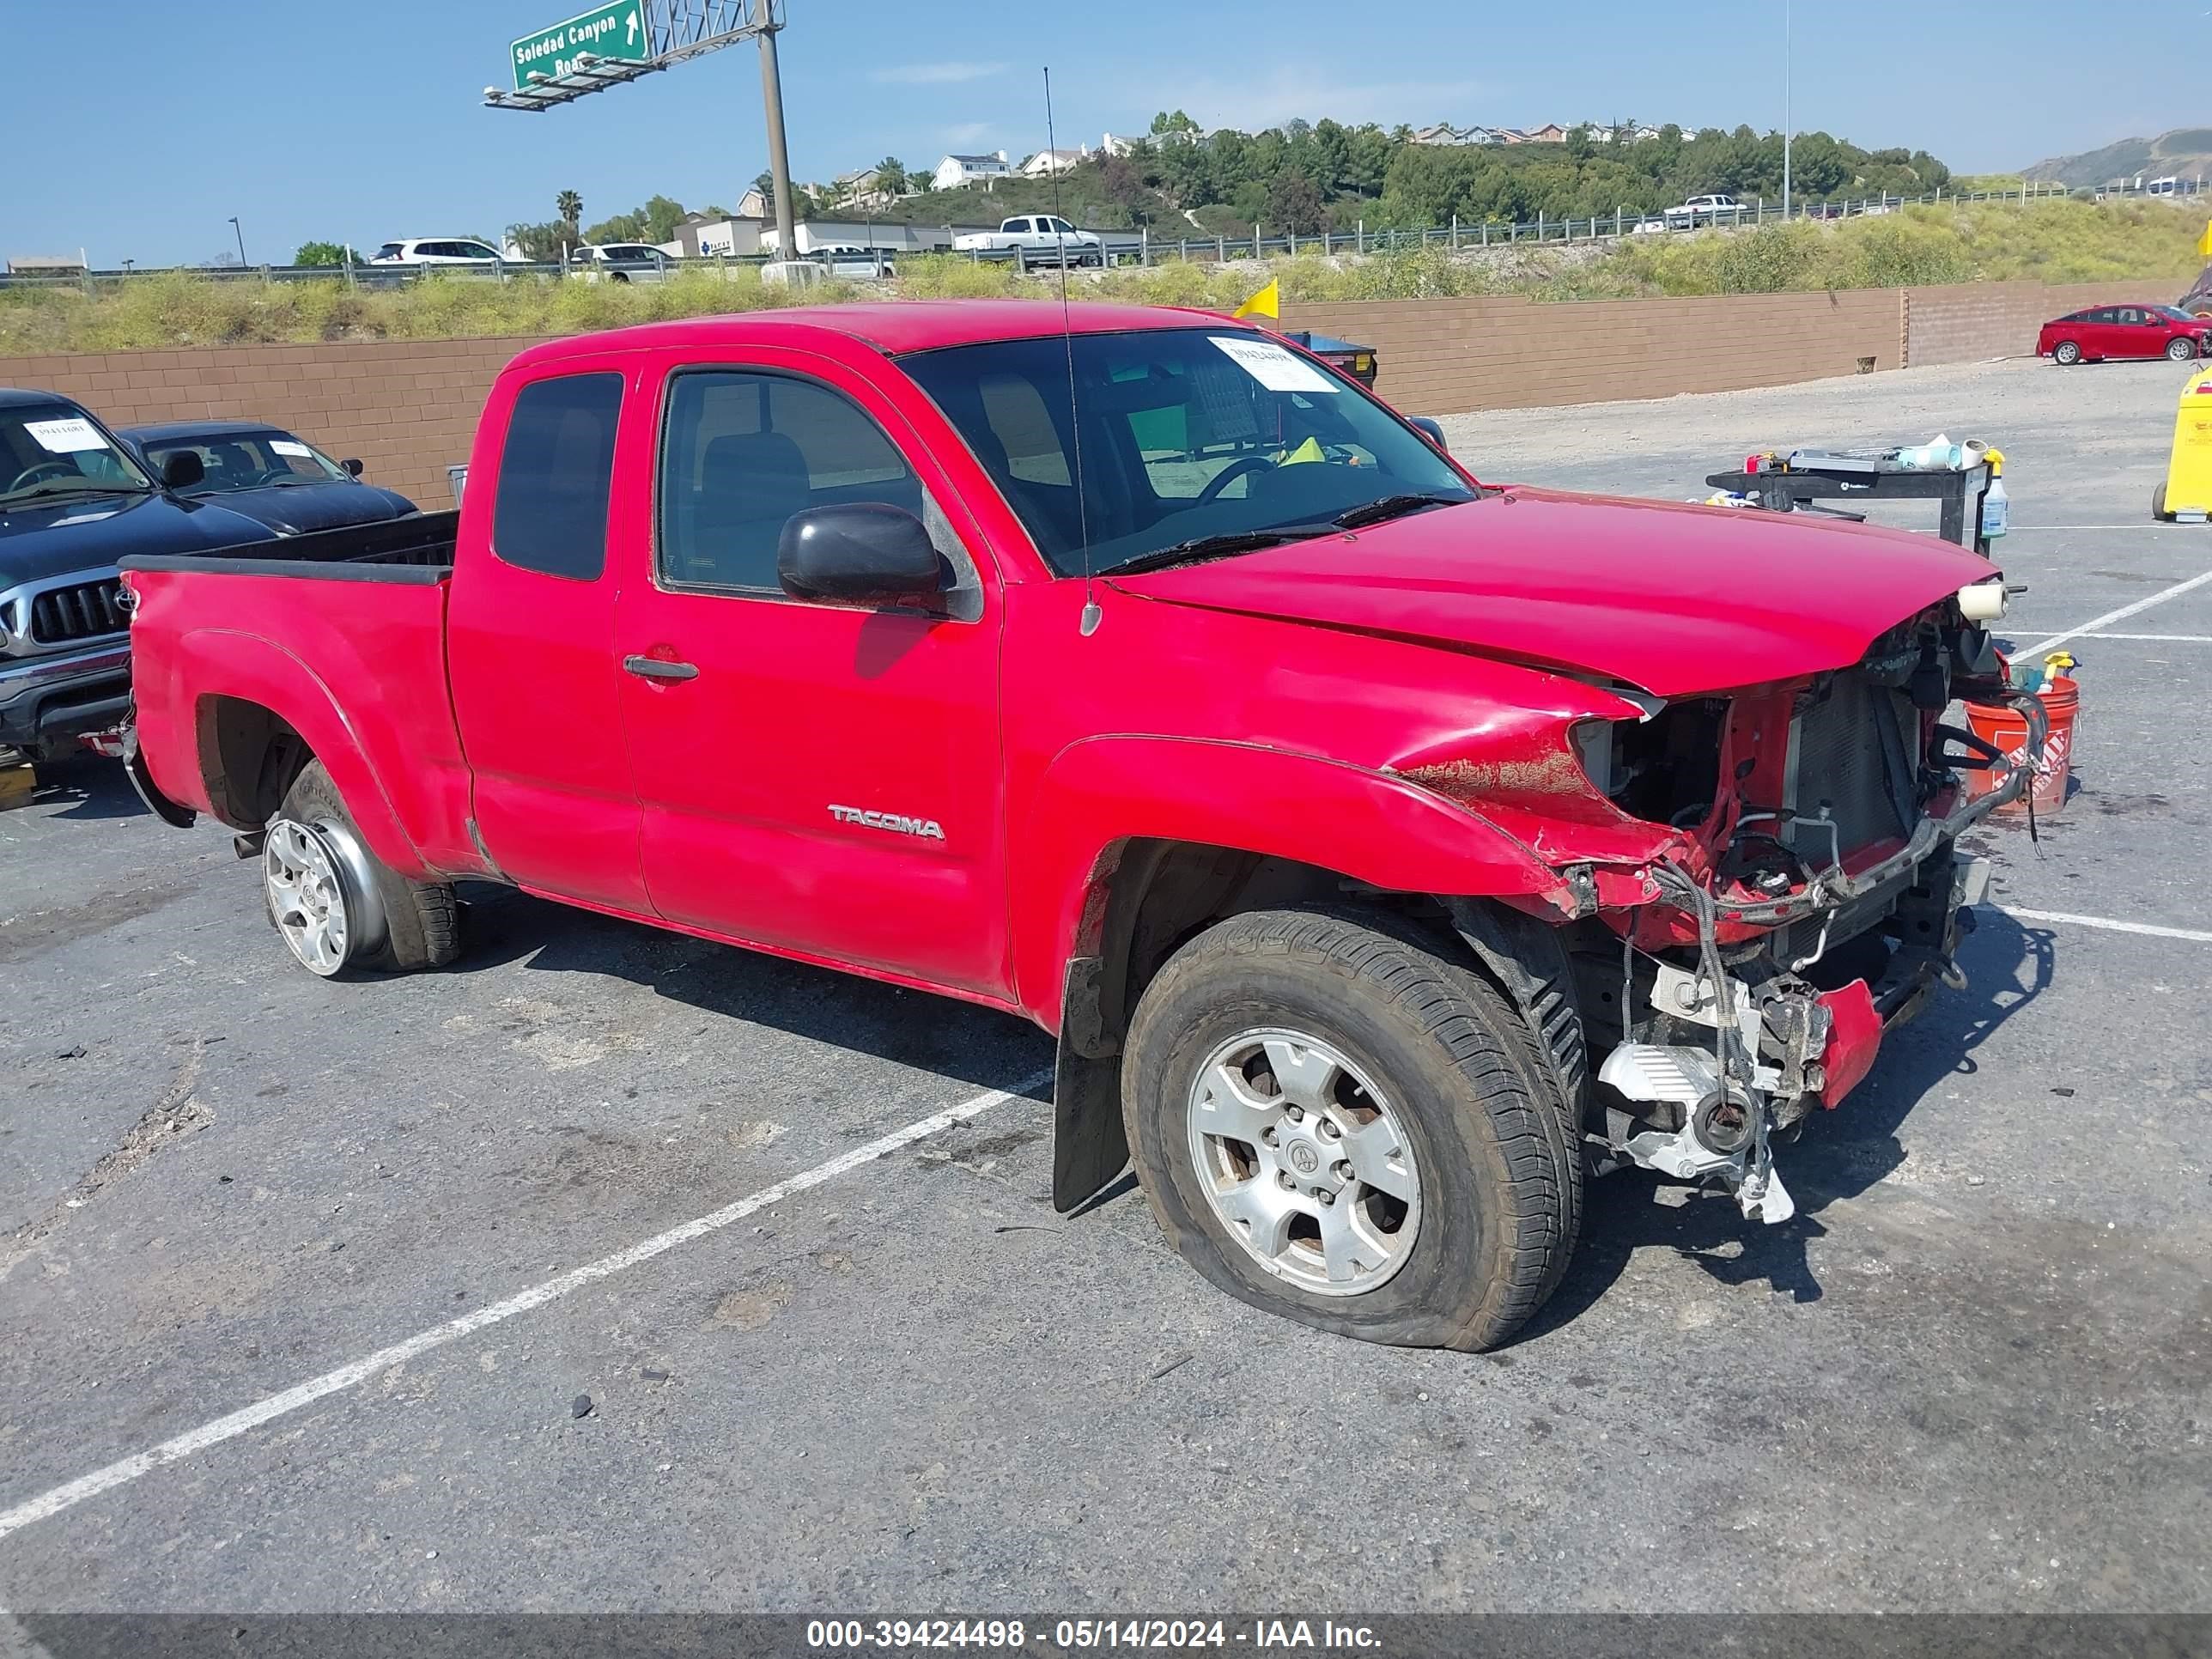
(555, 474)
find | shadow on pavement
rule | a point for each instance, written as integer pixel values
(86, 786)
(959, 1040)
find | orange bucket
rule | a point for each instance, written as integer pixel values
(2007, 731)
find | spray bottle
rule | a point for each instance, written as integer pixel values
(1994, 508)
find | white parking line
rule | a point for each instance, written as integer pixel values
(2158, 639)
(2033, 529)
(2195, 936)
(75, 1491)
(2111, 616)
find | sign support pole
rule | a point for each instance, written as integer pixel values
(778, 163)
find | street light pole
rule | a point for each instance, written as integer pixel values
(241, 241)
(778, 163)
(1785, 111)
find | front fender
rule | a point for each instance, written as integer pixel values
(1100, 792)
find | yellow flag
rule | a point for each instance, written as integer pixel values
(2203, 242)
(1268, 301)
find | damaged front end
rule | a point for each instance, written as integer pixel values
(1773, 884)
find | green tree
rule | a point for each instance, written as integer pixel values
(890, 176)
(569, 207)
(1294, 204)
(661, 214)
(319, 253)
(542, 243)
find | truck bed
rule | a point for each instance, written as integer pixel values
(417, 549)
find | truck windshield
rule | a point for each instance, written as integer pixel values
(1190, 438)
(53, 449)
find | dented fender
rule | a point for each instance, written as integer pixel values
(1100, 792)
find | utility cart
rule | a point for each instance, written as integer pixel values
(1804, 479)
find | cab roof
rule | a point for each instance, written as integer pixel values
(889, 325)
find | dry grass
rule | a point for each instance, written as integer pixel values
(2057, 241)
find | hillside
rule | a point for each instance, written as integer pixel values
(1305, 178)
(2183, 153)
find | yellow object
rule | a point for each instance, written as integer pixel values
(17, 783)
(2204, 242)
(1996, 459)
(1309, 451)
(2058, 663)
(1268, 302)
(2187, 491)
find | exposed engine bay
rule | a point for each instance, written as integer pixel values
(1813, 897)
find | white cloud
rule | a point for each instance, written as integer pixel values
(968, 132)
(934, 75)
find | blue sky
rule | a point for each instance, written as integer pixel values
(149, 125)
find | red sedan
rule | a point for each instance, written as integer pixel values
(2124, 332)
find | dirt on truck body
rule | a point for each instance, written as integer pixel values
(1387, 850)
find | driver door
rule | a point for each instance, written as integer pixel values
(813, 777)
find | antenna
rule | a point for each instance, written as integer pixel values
(1091, 614)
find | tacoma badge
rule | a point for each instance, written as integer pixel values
(926, 828)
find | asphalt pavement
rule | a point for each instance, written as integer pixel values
(611, 1270)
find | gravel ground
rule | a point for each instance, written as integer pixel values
(1971, 1376)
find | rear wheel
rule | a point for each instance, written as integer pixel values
(2066, 354)
(2157, 502)
(338, 908)
(2181, 348)
(1337, 1122)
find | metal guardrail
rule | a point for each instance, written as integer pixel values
(1146, 249)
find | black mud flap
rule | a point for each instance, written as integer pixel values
(134, 766)
(1089, 1147)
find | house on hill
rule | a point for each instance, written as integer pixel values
(1047, 161)
(954, 171)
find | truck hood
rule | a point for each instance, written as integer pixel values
(296, 509)
(39, 539)
(1672, 598)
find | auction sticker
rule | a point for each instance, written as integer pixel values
(290, 446)
(65, 437)
(1275, 368)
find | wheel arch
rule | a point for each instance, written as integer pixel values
(1140, 896)
(259, 716)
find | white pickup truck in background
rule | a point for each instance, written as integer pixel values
(1035, 239)
(1705, 210)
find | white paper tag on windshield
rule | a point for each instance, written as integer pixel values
(290, 446)
(1275, 368)
(65, 437)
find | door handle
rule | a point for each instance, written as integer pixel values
(652, 668)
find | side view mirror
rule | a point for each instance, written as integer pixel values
(864, 553)
(183, 470)
(1432, 430)
(352, 464)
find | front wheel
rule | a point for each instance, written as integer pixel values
(2181, 348)
(2066, 354)
(1338, 1123)
(338, 907)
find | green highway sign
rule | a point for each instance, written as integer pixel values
(614, 31)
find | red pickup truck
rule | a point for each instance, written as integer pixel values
(1385, 850)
